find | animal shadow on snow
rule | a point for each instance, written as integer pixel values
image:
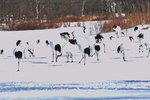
(119, 59)
(36, 62)
(136, 58)
(38, 58)
(8, 57)
(130, 59)
(55, 65)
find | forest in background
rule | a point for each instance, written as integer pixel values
(39, 14)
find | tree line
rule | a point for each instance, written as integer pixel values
(51, 9)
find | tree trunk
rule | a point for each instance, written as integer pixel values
(37, 10)
(83, 7)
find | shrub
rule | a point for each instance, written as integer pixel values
(32, 25)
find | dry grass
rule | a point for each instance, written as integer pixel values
(127, 22)
(32, 25)
(124, 22)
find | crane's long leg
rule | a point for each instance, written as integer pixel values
(67, 56)
(81, 59)
(18, 65)
(123, 54)
(104, 48)
(52, 56)
(97, 55)
(71, 56)
(84, 59)
(148, 53)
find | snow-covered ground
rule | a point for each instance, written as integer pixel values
(40, 68)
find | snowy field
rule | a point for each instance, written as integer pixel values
(106, 79)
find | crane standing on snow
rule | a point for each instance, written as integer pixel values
(18, 52)
(56, 48)
(118, 30)
(121, 50)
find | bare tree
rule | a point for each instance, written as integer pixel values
(83, 7)
(39, 7)
(36, 9)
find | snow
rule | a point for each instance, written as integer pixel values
(107, 90)
(40, 68)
